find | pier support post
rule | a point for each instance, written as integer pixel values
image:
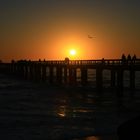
(19, 69)
(31, 71)
(84, 76)
(26, 71)
(59, 74)
(132, 79)
(38, 72)
(113, 79)
(72, 76)
(51, 74)
(99, 79)
(120, 82)
(13, 67)
(65, 75)
(43, 72)
(22, 70)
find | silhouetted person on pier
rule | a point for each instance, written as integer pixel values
(123, 59)
(129, 57)
(12, 61)
(66, 60)
(134, 58)
(103, 61)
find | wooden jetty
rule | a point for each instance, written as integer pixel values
(65, 71)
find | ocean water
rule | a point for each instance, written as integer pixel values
(35, 110)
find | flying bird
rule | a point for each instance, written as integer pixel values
(90, 37)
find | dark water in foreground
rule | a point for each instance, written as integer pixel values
(42, 112)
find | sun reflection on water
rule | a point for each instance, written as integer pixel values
(62, 111)
(89, 138)
(92, 138)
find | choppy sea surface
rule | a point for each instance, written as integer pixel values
(39, 111)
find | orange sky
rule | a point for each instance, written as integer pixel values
(49, 30)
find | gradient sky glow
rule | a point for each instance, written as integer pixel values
(48, 29)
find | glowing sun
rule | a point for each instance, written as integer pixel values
(72, 52)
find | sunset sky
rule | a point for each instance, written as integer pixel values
(48, 29)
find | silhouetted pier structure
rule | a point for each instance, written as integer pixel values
(65, 72)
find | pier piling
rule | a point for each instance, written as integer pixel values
(66, 72)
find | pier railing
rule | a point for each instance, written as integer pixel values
(65, 71)
(90, 62)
